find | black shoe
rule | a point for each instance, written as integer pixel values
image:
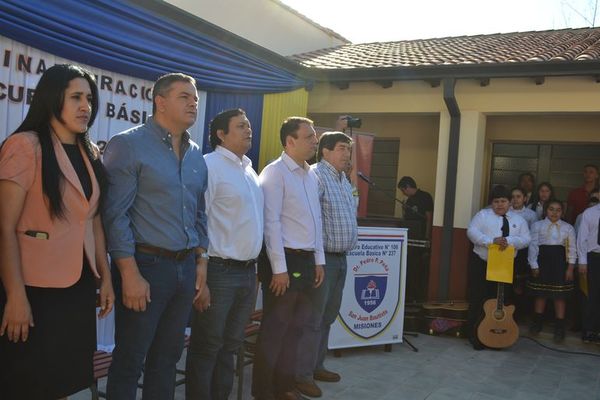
(536, 324)
(559, 330)
(477, 345)
(589, 337)
(559, 334)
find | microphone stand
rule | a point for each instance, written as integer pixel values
(403, 203)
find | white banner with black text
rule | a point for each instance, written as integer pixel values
(124, 101)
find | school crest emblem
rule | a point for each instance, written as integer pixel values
(370, 291)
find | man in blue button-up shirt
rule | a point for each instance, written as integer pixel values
(157, 237)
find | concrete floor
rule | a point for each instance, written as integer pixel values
(448, 368)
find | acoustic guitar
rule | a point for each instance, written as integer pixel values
(498, 329)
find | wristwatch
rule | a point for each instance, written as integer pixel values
(202, 255)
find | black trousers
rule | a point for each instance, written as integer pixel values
(479, 290)
(281, 327)
(591, 317)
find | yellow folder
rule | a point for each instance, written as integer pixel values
(500, 264)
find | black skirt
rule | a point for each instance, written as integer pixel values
(551, 282)
(57, 358)
(521, 269)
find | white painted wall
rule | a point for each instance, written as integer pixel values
(264, 22)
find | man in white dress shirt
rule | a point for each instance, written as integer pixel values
(494, 225)
(294, 245)
(234, 206)
(340, 233)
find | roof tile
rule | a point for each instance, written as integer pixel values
(555, 45)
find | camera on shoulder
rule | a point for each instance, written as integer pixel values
(353, 122)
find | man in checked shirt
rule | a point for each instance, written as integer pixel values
(338, 209)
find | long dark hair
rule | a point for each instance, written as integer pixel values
(536, 195)
(47, 102)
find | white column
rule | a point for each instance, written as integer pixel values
(470, 167)
(442, 166)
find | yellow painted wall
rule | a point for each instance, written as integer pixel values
(368, 97)
(559, 94)
(556, 95)
(544, 128)
(276, 108)
(418, 137)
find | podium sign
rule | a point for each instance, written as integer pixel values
(372, 310)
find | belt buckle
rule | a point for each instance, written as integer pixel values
(181, 255)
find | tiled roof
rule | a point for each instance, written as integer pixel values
(556, 45)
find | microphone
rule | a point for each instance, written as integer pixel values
(372, 184)
(365, 178)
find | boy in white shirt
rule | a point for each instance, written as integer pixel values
(493, 225)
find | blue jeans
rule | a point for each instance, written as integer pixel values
(327, 300)
(218, 332)
(155, 335)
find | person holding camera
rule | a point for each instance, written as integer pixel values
(347, 121)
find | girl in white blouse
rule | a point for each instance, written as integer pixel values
(521, 269)
(517, 206)
(544, 193)
(552, 255)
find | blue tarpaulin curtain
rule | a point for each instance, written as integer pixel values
(118, 36)
(252, 104)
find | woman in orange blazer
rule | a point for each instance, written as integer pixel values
(52, 247)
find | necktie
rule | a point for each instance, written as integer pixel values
(505, 227)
